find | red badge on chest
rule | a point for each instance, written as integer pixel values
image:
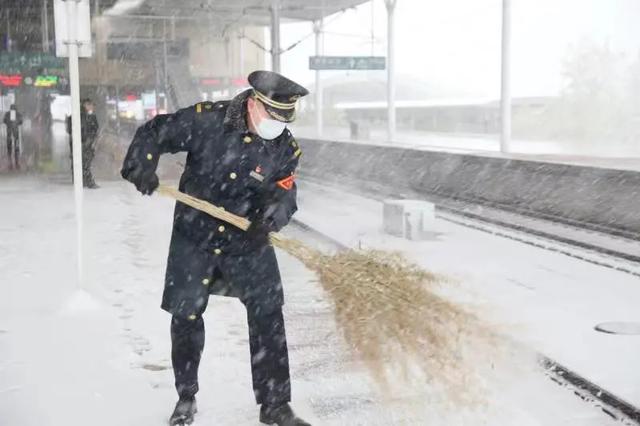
(286, 183)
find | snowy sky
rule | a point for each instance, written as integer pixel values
(455, 44)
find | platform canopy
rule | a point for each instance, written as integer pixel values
(231, 12)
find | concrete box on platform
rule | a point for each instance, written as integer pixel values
(410, 219)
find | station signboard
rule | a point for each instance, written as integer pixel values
(46, 81)
(10, 80)
(41, 81)
(20, 62)
(347, 62)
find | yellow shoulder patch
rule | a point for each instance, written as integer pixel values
(207, 105)
(295, 145)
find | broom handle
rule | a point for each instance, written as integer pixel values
(210, 209)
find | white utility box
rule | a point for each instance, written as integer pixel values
(410, 219)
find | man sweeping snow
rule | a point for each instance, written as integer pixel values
(240, 157)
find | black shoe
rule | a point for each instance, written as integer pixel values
(184, 412)
(281, 415)
(93, 185)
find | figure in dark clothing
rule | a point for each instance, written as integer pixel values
(89, 135)
(44, 119)
(13, 121)
(242, 158)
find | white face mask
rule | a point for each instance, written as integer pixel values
(268, 129)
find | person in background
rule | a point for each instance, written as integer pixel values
(44, 117)
(13, 121)
(89, 135)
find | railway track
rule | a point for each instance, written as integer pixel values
(514, 225)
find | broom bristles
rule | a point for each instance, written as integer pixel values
(388, 312)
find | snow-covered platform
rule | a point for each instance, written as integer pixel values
(544, 294)
(101, 356)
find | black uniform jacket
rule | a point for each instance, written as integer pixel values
(231, 168)
(12, 125)
(88, 128)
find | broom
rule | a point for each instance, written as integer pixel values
(389, 313)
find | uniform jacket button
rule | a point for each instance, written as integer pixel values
(192, 317)
(221, 228)
(149, 157)
(217, 251)
(233, 175)
(205, 281)
(247, 139)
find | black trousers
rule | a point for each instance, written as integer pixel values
(269, 355)
(13, 144)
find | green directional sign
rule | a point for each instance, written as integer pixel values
(20, 62)
(347, 62)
